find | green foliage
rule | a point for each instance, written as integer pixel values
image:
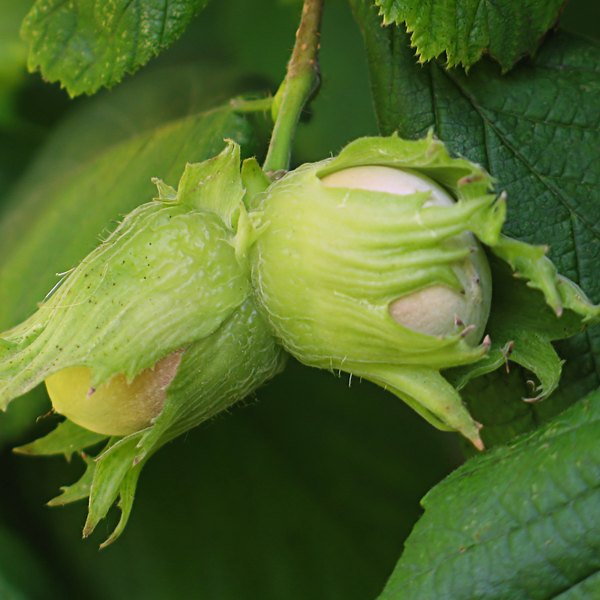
(465, 29)
(86, 45)
(536, 131)
(311, 492)
(520, 522)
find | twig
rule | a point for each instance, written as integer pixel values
(301, 81)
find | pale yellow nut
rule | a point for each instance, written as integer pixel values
(437, 309)
(116, 407)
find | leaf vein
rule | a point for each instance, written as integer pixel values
(544, 122)
(519, 156)
(587, 493)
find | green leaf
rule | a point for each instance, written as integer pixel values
(536, 130)
(520, 522)
(254, 181)
(465, 29)
(138, 105)
(214, 185)
(126, 496)
(86, 45)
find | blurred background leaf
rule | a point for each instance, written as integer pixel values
(17, 139)
(13, 55)
(582, 16)
(22, 574)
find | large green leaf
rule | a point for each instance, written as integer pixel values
(520, 522)
(537, 131)
(86, 44)
(140, 104)
(465, 29)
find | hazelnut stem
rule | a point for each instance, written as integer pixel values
(300, 83)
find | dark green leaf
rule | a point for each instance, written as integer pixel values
(465, 29)
(126, 497)
(86, 45)
(520, 522)
(537, 131)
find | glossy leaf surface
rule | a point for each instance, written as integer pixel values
(520, 522)
(86, 44)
